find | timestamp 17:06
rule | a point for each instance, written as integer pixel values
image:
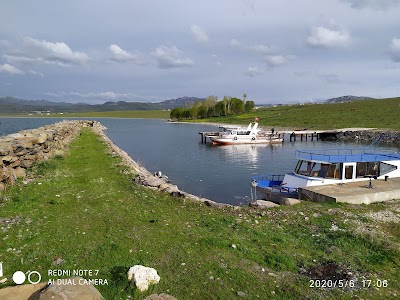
(366, 283)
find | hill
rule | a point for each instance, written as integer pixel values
(13, 105)
(348, 98)
(372, 113)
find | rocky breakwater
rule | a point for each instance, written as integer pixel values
(21, 150)
(371, 135)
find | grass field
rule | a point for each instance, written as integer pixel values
(383, 113)
(85, 209)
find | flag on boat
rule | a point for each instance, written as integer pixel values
(256, 119)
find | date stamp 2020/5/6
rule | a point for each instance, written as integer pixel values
(345, 283)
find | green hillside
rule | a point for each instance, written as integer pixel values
(376, 113)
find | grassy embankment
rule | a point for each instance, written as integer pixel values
(85, 208)
(380, 113)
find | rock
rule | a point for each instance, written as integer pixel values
(4, 173)
(20, 172)
(151, 181)
(290, 201)
(216, 204)
(173, 190)
(160, 297)
(26, 291)
(11, 178)
(263, 204)
(142, 277)
(75, 288)
(5, 149)
(26, 163)
(15, 164)
(241, 294)
(9, 159)
(41, 137)
(25, 143)
(58, 262)
(20, 152)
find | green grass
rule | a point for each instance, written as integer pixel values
(85, 208)
(153, 114)
(380, 113)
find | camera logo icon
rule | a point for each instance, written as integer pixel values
(19, 277)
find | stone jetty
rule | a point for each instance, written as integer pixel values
(19, 151)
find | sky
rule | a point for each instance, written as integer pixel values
(283, 51)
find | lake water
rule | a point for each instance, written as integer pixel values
(220, 173)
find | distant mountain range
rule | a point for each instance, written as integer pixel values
(346, 99)
(15, 105)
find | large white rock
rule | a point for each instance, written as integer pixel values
(142, 277)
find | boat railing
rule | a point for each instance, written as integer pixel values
(275, 184)
(348, 154)
(285, 190)
(268, 177)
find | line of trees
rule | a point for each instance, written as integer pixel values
(211, 107)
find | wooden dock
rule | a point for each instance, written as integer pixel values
(295, 134)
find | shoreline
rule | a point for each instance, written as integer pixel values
(147, 179)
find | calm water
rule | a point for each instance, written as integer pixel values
(220, 173)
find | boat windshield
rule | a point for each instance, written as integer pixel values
(315, 169)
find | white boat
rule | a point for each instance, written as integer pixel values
(334, 166)
(228, 135)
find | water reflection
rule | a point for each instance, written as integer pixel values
(248, 154)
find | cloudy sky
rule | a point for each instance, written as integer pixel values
(274, 51)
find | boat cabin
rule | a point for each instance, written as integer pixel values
(232, 130)
(342, 165)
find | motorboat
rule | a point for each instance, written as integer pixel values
(332, 166)
(229, 135)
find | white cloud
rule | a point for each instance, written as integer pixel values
(35, 73)
(263, 49)
(276, 60)
(324, 37)
(376, 4)
(199, 34)
(6, 68)
(171, 57)
(42, 51)
(395, 49)
(107, 96)
(120, 54)
(234, 43)
(102, 95)
(253, 71)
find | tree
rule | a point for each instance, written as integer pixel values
(248, 106)
(219, 109)
(237, 105)
(186, 114)
(176, 113)
(227, 105)
(202, 112)
(210, 103)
